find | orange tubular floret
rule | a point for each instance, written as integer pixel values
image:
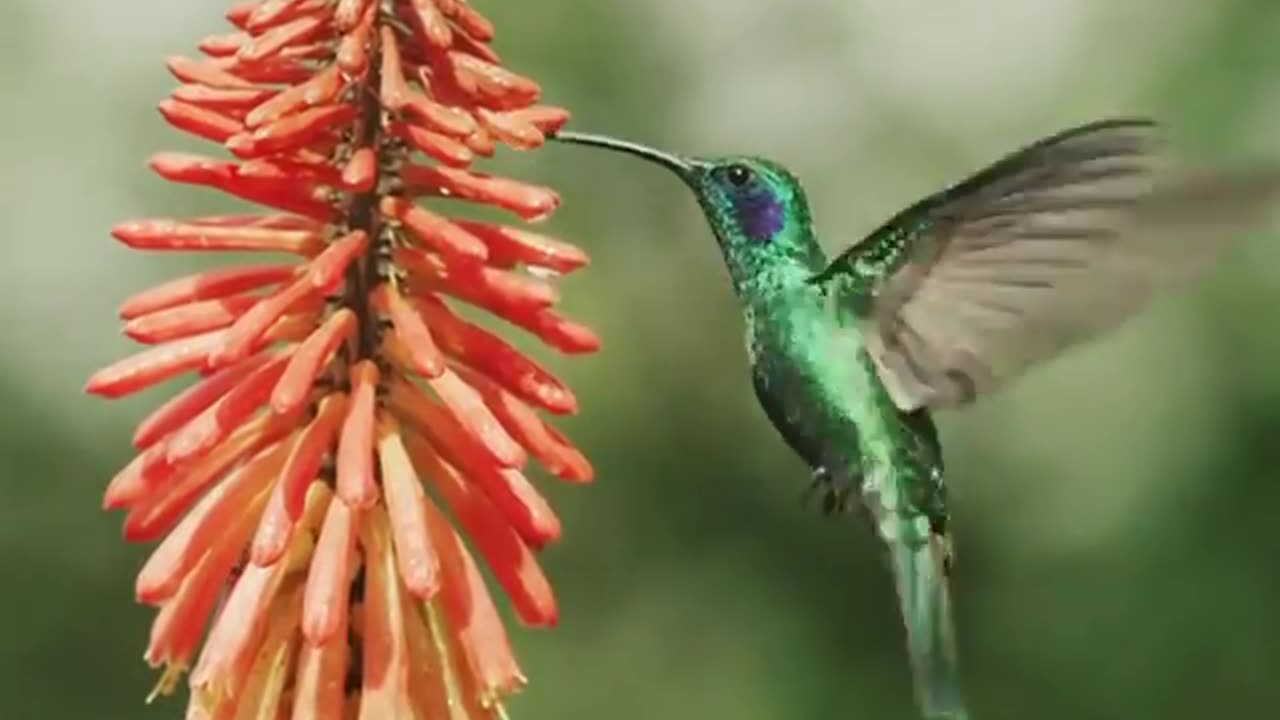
(353, 49)
(272, 42)
(356, 484)
(435, 145)
(309, 360)
(179, 625)
(274, 13)
(322, 89)
(544, 442)
(476, 420)
(202, 122)
(386, 662)
(361, 172)
(203, 73)
(511, 560)
(238, 14)
(477, 628)
(436, 117)
(284, 509)
(267, 13)
(302, 198)
(218, 421)
(202, 528)
(315, 442)
(489, 84)
(435, 685)
(233, 101)
(138, 478)
(325, 602)
(419, 565)
(496, 358)
(173, 235)
(161, 511)
(223, 45)
(246, 617)
(511, 129)
(560, 332)
(430, 23)
(159, 506)
(434, 231)
(326, 270)
(231, 640)
(265, 683)
(508, 488)
(320, 691)
(291, 131)
(279, 221)
(288, 68)
(426, 359)
(180, 409)
(481, 142)
(509, 246)
(471, 22)
(207, 285)
(187, 320)
(348, 13)
(246, 333)
(544, 117)
(503, 293)
(154, 365)
(394, 92)
(287, 172)
(528, 201)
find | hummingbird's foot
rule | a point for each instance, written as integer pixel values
(836, 492)
(817, 480)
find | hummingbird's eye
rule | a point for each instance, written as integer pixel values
(738, 175)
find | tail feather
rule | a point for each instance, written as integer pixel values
(921, 577)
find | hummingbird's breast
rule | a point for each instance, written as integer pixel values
(817, 382)
(819, 387)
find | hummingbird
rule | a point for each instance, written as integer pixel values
(1053, 244)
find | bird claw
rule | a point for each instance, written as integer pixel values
(837, 492)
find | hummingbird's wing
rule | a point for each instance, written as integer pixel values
(1049, 246)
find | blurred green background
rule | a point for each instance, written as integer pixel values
(1115, 512)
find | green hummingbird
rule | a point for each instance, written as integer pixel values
(1053, 244)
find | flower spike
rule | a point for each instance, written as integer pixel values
(340, 409)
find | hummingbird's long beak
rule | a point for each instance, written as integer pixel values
(680, 166)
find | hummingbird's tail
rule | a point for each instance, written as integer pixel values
(921, 576)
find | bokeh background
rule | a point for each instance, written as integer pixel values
(1116, 512)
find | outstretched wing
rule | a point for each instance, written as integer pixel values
(1048, 247)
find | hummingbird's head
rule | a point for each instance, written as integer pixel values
(749, 199)
(757, 209)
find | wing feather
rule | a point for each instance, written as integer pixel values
(1048, 247)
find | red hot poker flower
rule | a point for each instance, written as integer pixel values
(299, 487)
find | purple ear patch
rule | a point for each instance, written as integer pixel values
(760, 214)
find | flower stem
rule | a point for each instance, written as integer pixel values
(363, 275)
